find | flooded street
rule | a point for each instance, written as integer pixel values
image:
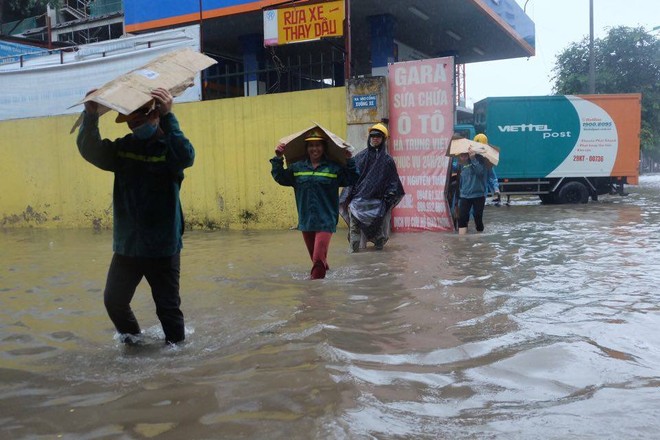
(544, 327)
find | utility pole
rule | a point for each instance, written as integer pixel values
(592, 64)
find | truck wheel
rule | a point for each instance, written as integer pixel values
(548, 199)
(573, 192)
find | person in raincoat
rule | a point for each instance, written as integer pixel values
(316, 181)
(492, 184)
(367, 206)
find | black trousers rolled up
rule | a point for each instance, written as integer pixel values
(477, 205)
(162, 274)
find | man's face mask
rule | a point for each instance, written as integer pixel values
(145, 131)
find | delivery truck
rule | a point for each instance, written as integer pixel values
(565, 149)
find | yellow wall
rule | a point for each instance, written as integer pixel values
(46, 183)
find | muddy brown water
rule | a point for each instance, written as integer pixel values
(544, 327)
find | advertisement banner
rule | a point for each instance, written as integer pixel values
(303, 23)
(421, 124)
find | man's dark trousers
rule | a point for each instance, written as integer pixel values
(162, 274)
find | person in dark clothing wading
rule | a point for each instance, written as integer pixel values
(366, 207)
(148, 223)
(316, 181)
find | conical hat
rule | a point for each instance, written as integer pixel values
(296, 148)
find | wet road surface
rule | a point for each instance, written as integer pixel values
(544, 327)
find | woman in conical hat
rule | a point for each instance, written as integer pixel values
(316, 181)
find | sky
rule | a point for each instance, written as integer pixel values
(558, 24)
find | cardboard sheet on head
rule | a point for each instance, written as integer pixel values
(174, 71)
(489, 152)
(296, 148)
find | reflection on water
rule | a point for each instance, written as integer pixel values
(545, 326)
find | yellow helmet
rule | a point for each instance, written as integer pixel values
(481, 138)
(315, 134)
(380, 127)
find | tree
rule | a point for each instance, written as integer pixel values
(11, 10)
(627, 61)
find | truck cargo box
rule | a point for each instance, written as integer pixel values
(571, 137)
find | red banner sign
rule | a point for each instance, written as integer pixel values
(421, 125)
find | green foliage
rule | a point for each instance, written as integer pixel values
(11, 10)
(627, 60)
(27, 6)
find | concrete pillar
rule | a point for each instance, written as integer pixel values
(252, 45)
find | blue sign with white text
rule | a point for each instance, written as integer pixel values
(364, 101)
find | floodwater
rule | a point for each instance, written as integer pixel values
(543, 327)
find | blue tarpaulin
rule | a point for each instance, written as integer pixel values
(10, 51)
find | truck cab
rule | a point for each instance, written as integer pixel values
(465, 130)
